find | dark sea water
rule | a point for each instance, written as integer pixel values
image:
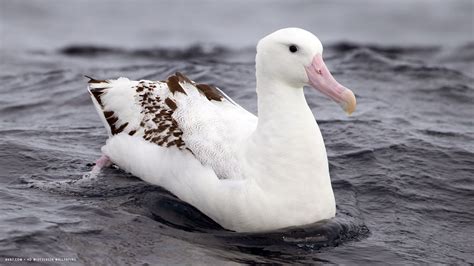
(402, 165)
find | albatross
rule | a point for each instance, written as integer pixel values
(247, 173)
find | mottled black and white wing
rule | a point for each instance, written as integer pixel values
(176, 113)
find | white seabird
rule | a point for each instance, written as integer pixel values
(248, 174)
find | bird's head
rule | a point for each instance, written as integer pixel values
(294, 57)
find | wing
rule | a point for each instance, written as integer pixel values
(177, 113)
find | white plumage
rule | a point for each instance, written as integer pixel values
(247, 174)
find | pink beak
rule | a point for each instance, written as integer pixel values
(321, 79)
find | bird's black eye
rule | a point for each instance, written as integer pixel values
(293, 48)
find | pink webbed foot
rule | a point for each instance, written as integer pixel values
(103, 161)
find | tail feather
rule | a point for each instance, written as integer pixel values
(114, 101)
(93, 80)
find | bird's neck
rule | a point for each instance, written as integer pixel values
(287, 144)
(274, 96)
(283, 111)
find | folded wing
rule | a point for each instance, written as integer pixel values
(177, 114)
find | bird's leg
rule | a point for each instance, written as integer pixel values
(103, 161)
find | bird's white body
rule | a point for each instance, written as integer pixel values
(245, 173)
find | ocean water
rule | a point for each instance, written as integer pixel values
(402, 166)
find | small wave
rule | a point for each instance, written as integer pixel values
(438, 133)
(194, 51)
(388, 50)
(459, 93)
(427, 71)
(87, 186)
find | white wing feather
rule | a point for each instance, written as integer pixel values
(214, 131)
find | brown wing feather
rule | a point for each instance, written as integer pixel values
(156, 123)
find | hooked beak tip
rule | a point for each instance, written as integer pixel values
(349, 103)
